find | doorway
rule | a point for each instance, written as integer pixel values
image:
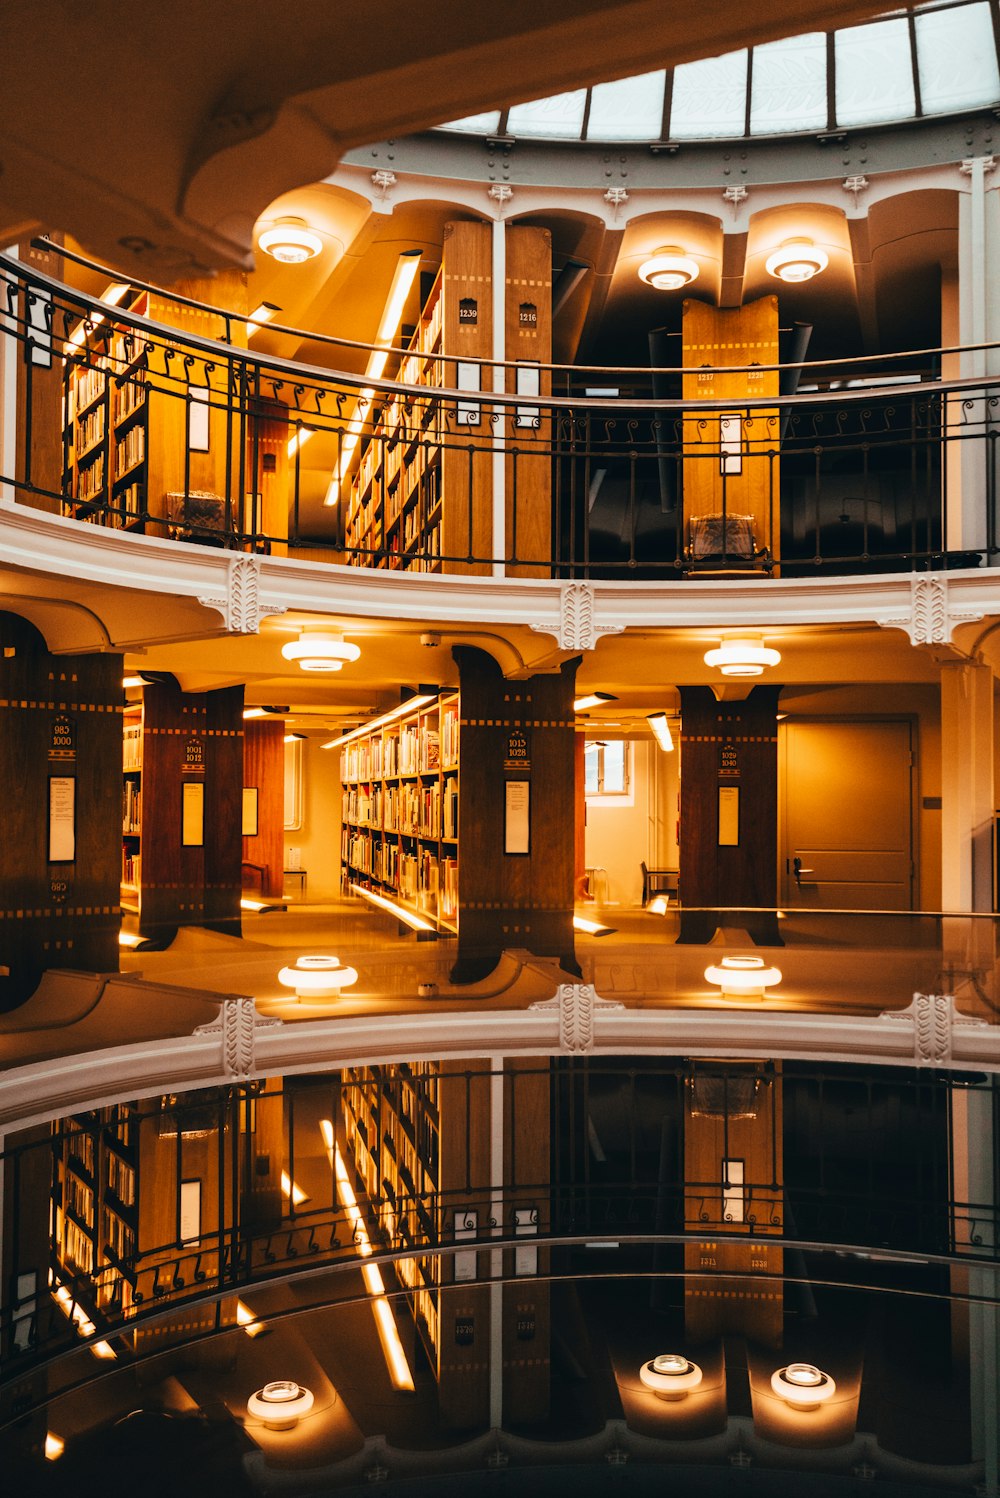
(847, 814)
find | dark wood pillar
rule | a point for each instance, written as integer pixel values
(60, 771)
(223, 807)
(516, 811)
(264, 772)
(729, 806)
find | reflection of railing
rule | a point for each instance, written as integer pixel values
(410, 476)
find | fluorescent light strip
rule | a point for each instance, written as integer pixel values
(293, 1190)
(261, 314)
(74, 1312)
(249, 1320)
(592, 928)
(405, 273)
(408, 917)
(54, 1446)
(254, 905)
(129, 939)
(660, 729)
(388, 1332)
(115, 293)
(411, 705)
(592, 699)
(298, 439)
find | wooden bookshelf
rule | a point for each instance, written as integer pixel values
(95, 1209)
(400, 810)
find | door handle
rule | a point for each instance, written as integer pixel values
(798, 871)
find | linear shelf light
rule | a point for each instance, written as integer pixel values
(408, 917)
(592, 699)
(742, 655)
(388, 1332)
(660, 729)
(392, 315)
(412, 704)
(320, 650)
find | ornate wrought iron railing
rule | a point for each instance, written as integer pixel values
(128, 422)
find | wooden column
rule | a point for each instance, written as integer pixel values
(467, 450)
(729, 799)
(517, 745)
(223, 808)
(528, 334)
(60, 721)
(40, 391)
(264, 771)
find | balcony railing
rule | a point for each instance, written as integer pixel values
(128, 422)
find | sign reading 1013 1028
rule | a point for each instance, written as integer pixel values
(518, 752)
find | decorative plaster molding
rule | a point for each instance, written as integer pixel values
(578, 628)
(735, 194)
(238, 1023)
(615, 197)
(930, 619)
(934, 1019)
(501, 192)
(382, 180)
(241, 608)
(969, 165)
(855, 184)
(577, 1005)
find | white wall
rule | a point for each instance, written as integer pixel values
(623, 831)
(318, 840)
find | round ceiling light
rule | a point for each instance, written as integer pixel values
(796, 260)
(290, 241)
(743, 977)
(743, 655)
(320, 650)
(803, 1386)
(669, 269)
(670, 1375)
(317, 977)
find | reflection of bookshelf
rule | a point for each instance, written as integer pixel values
(400, 809)
(131, 806)
(95, 1205)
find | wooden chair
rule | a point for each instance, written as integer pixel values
(657, 882)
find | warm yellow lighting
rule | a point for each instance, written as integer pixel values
(133, 681)
(803, 1386)
(669, 269)
(412, 704)
(670, 1375)
(111, 298)
(658, 905)
(129, 939)
(593, 699)
(796, 260)
(54, 1447)
(408, 917)
(388, 1332)
(742, 655)
(254, 905)
(406, 269)
(261, 314)
(281, 1404)
(255, 712)
(290, 241)
(660, 730)
(74, 1312)
(317, 977)
(743, 977)
(103, 1350)
(293, 1190)
(298, 439)
(293, 738)
(320, 650)
(248, 1320)
(592, 928)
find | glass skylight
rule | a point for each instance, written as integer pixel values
(783, 87)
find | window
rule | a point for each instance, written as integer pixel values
(607, 766)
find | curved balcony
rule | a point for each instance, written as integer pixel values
(466, 468)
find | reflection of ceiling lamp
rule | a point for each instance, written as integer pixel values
(280, 1404)
(291, 241)
(317, 977)
(592, 699)
(320, 650)
(742, 655)
(261, 314)
(743, 977)
(660, 729)
(802, 1385)
(796, 260)
(669, 269)
(670, 1375)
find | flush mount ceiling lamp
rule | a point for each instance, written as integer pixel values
(320, 650)
(796, 260)
(743, 977)
(803, 1386)
(317, 977)
(742, 655)
(669, 269)
(670, 1375)
(290, 241)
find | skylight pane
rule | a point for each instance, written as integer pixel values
(957, 59)
(710, 98)
(476, 124)
(559, 117)
(874, 73)
(629, 109)
(788, 91)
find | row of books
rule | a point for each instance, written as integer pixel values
(131, 807)
(90, 432)
(88, 386)
(131, 450)
(132, 746)
(128, 398)
(91, 482)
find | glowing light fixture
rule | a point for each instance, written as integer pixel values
(406, 269)
(115, 293)
(129, 939)
(248, 1320)
(281, 1404)
(290, 241)
(593, 699)
(408, 917)
(133, 681)
(298, 439)
(261, 314)
(317, 977)
(254, 905)
(293, 738)
(412, 704)
(660, 729)
(293, 1190)
(669, 269)
(796, 260)
(803, 1386)
(74, 1312)
(392, 1347)
(54, 1446)
(743, 977)
(670, 1375)
(320, 650)
(255, 712)
(742, 655)
(591, 928)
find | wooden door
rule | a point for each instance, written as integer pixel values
(846, 796)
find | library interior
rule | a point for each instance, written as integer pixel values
(499, 950)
